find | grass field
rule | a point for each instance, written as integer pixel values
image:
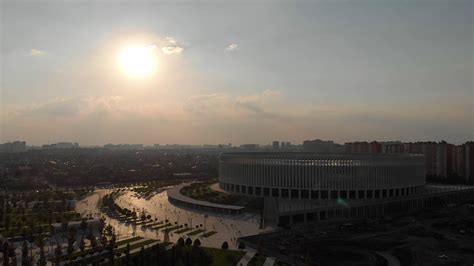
(208, 234)
(195, 232)
(222, 257)
(257, 260)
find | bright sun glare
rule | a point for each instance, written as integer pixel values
(138, 61)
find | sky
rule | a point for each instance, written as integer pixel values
(237, 71)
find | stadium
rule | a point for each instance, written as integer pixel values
(304, 187)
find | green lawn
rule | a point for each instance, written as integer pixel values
(257, 260)
(208, 234)
(127, 240)
(183, 230)
(161, 226)
(169, 229)
(196, 232)
(136, 245)
(202, 191)
(222, 257)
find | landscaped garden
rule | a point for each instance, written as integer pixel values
(202, 191)
(30, 214)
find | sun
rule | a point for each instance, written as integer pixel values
(138, 61)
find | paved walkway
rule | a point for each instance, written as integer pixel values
(246, 258)
(269, 261)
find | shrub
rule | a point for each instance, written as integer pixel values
(225, 245)
(189, 241)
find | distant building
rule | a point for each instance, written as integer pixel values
(276, 145)
(392, 147)
(16, 146)
(61, 145)
(435, 156)
(451, 161)
(249, 147)
(224, 146)
(465, 161)
(321, 146)
(285, 145)
(126, 147)
(357, 147)
(443, 160)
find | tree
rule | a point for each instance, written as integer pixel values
(127, 255)
(82, 245)
(103, 241)
(109, 230)
(113, 239)
(101, 224)
(64, 225)
(70, 246)
(307, 260)
(24, 254)
(57, 255)
(225, 245)
(42, 259)
(142, 256)
(11, 253)
(93, 243)
(111, 250)
(159, 255)
(5, 250)
(166, 237)
(189, 241)
(84, 225)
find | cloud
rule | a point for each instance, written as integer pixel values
(224, 105)
(172, 49)
(171, 40)
(171, 46)
(37, 52)
(70, 107)
(231, 47)
(225, 117)
(207, 103)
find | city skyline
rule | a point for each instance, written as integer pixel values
(230, 144)
(239, 73)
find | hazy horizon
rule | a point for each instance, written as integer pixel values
(237, 72)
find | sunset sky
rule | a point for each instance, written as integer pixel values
(238, 72)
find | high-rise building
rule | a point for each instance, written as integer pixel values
(392, 147)
(465, 161)
(16, 146)
(435, 156)
(249, 147)
(276, 145)
(357, 147)
(322, 146)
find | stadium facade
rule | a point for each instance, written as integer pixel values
(303, 187)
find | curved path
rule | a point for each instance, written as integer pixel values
(175, 195)
(228, 227)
